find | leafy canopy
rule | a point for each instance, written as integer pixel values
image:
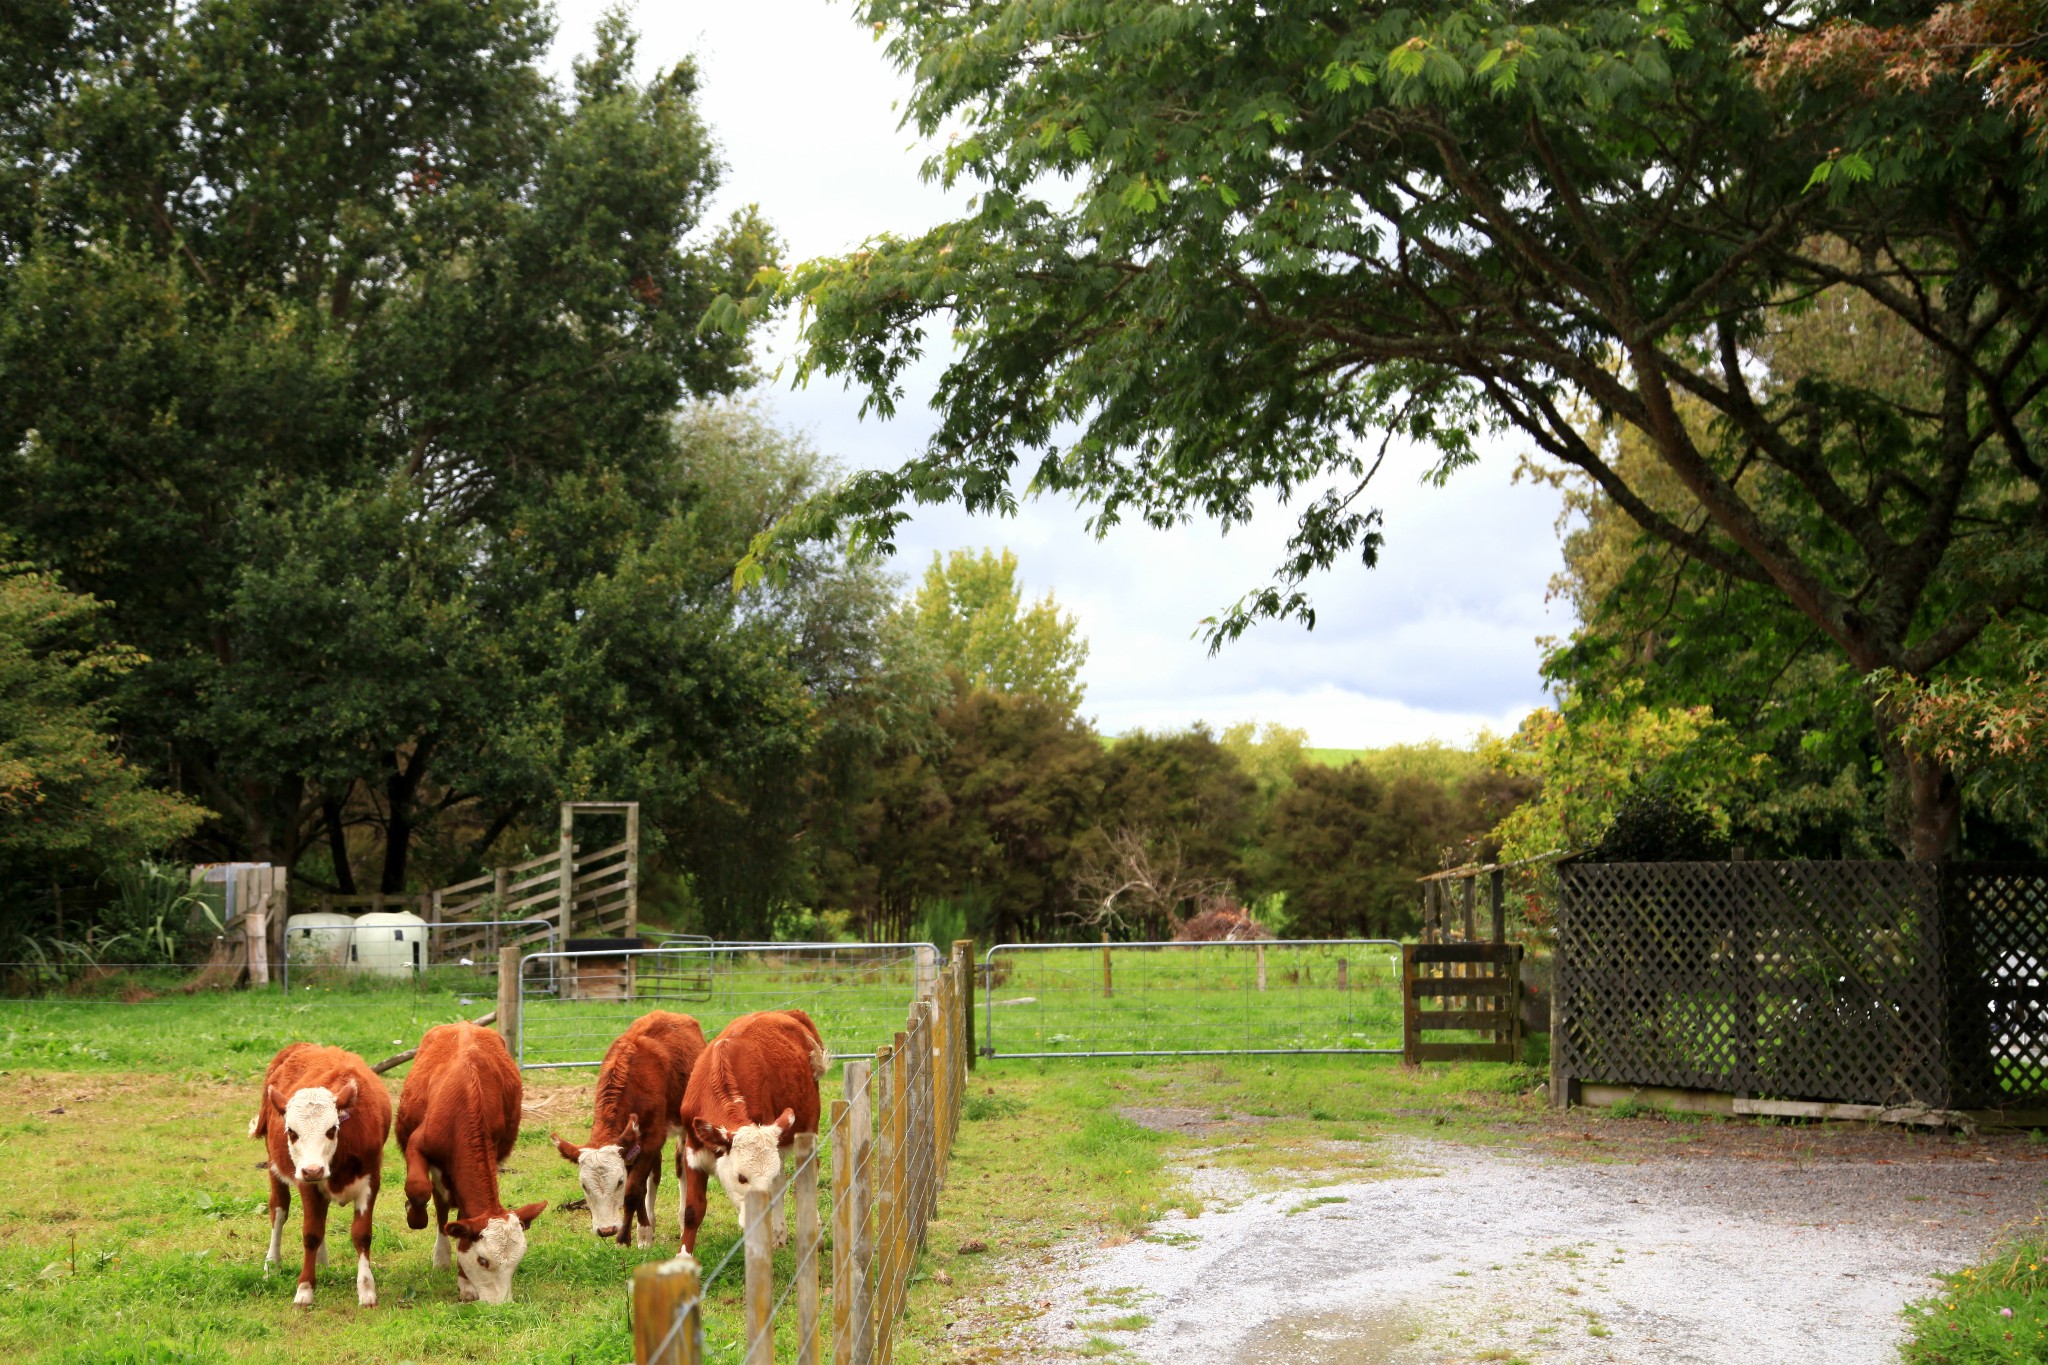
(970, 609)
(1221, 251)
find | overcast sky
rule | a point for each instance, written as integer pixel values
(1438, 641)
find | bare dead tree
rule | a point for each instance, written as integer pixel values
(1131, 878)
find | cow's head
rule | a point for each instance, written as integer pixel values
(749, 1157)
(602, 1172)
(312, 1125)
(487, 1250)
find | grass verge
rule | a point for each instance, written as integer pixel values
(1993, 1312)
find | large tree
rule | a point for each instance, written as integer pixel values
(338, 353)
(1220, 249)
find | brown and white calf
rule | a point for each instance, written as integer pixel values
(639, 1092)
(323, 1120)
(754, 1089)
(458, 1116)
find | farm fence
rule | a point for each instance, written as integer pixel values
(888, 1141)
(1900, 986)
(1163, 999)
(566, 1007)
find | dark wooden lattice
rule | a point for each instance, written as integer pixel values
(1996, 947)
(1859, 982)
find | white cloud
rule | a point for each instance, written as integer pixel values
(1436, 642)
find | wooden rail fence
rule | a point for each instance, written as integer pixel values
(889, 1141)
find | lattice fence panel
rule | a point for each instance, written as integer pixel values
(1795, 980)
(1997, 953)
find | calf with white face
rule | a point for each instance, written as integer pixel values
(747, 1160)
(487, 1250)
(323, 1121)
(606, 1174)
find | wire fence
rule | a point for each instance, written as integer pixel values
(459, 957)
(571, 1005)
(888, 1142)
(1192, 999)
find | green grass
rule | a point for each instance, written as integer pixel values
(153, 1250)
(1184, 999)
(1968, 1322)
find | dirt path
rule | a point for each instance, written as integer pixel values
(1486, 1255)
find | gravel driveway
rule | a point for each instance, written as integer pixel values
(1492, 1255)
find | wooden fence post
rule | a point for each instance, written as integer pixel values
(1108, 987)
(844, 1201)
(1343, 974)
(883, 1164)
(810, 1244)
(1411, 1035)
(755, 1209)
(965, 947)
(1261, 951)
(902, 1253)
(508, 998)
(501, 895)
(661, 1293)
(565, 886)
(1496, 893)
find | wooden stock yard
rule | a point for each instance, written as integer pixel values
(1484, 997)
(888, 1140)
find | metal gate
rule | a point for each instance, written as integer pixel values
(573, 1004)
(1191, 999)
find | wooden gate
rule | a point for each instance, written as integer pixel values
(1471, 987)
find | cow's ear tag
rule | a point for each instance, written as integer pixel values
(631, 1154)
(343, 1117)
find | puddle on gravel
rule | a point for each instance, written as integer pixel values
(1333, 1338)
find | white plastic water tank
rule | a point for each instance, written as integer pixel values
(389, 942)
(318, 938)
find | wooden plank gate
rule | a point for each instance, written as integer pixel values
(1474, 987)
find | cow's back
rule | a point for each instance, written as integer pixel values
(454, 1062)
(760, 1064)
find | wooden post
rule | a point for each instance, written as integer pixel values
(883, 1164)
(1261, 950)
(902, 1253)
(501, 895)
(1343, 974)
(1560, 1080)
(508, 998)
(760, 1262)
(860, 1114)
(661, 1293)
(810, 1245)
(1496, 893)
(934, 1134)
(566, 883)
(840, 1126)
(1411, 1035)
(927, 971)
(965, 948)
(632, 868)
(1108, 987)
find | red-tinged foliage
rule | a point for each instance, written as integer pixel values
(1997, 45)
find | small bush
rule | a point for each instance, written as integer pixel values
(980, 1107)
(1659, 827)
(1996, 1311)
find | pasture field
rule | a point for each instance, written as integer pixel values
(132, 1205)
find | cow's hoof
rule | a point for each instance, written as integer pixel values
(643, 1236)
(304, 1298)
(269, 1265)
(366, 1295)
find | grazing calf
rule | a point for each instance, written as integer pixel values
(639, 1091)
(323, 1120)
(458, 1116)
(753, 1090)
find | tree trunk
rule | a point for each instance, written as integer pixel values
(401, 790)
(1925, 815)
(337, 841)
